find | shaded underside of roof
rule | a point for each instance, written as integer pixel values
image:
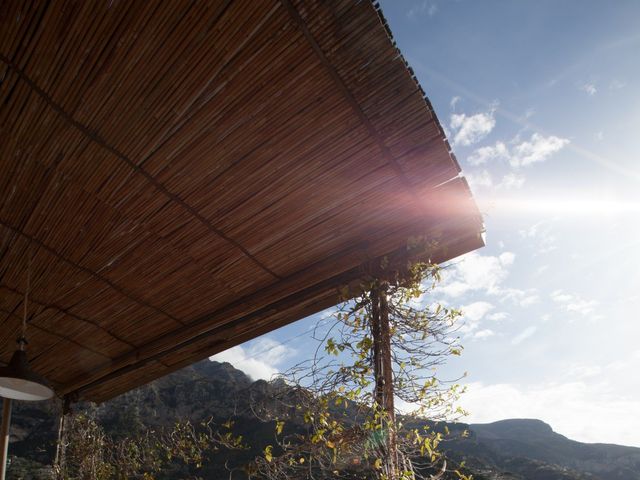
(189, 175)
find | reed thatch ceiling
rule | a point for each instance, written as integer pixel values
(187, 175)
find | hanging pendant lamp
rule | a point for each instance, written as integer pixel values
(17, 380)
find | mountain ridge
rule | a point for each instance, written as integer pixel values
(516, 449)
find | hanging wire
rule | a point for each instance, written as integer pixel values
(23, 336)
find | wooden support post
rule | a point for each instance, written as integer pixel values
(378, 396)
(59, 460)
(4, 436)
(388, 389)
(383, 373)
(61, 445)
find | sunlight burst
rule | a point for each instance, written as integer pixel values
(563, 206)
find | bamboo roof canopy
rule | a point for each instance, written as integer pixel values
(189, 175)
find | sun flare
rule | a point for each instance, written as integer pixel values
(561, 205)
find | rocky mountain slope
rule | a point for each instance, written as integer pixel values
(531, 449)
(509, 449)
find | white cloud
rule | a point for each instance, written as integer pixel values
(541, 269)
(483, 180)
(498, 316)
(522, 336)
(475, 272)
(589, 88)
(583, 307)
(617, 84)
(476, 310)
(538, 149)
(472, 316)
(482, 334)
(565, 406)
(259, 359)
(532, 231)
(523, 298)
(426, 7)
(485, 274)
(542, 234)
(482, 155)
(454, 101)
(572, 303)
(511, 181)
(523, 153)
(479, 180)
(507, 258)
(583, 371)
(529, 300)
(470, 129)
(560, 297)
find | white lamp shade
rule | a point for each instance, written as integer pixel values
(19, 382)
(21, 389)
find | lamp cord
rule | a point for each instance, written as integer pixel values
(22, 341)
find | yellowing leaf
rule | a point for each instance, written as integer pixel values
(268, 453)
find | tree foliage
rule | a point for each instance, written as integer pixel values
(347, 431)
(91, 454)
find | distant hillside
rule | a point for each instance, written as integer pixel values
(509, 449)
(509, 442)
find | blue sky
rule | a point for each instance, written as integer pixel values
(541, 102)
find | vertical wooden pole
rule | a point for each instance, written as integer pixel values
(383, 373)
(58, 462)
(378, 395)
(61, 445)
(4, 436)
(387, 376)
